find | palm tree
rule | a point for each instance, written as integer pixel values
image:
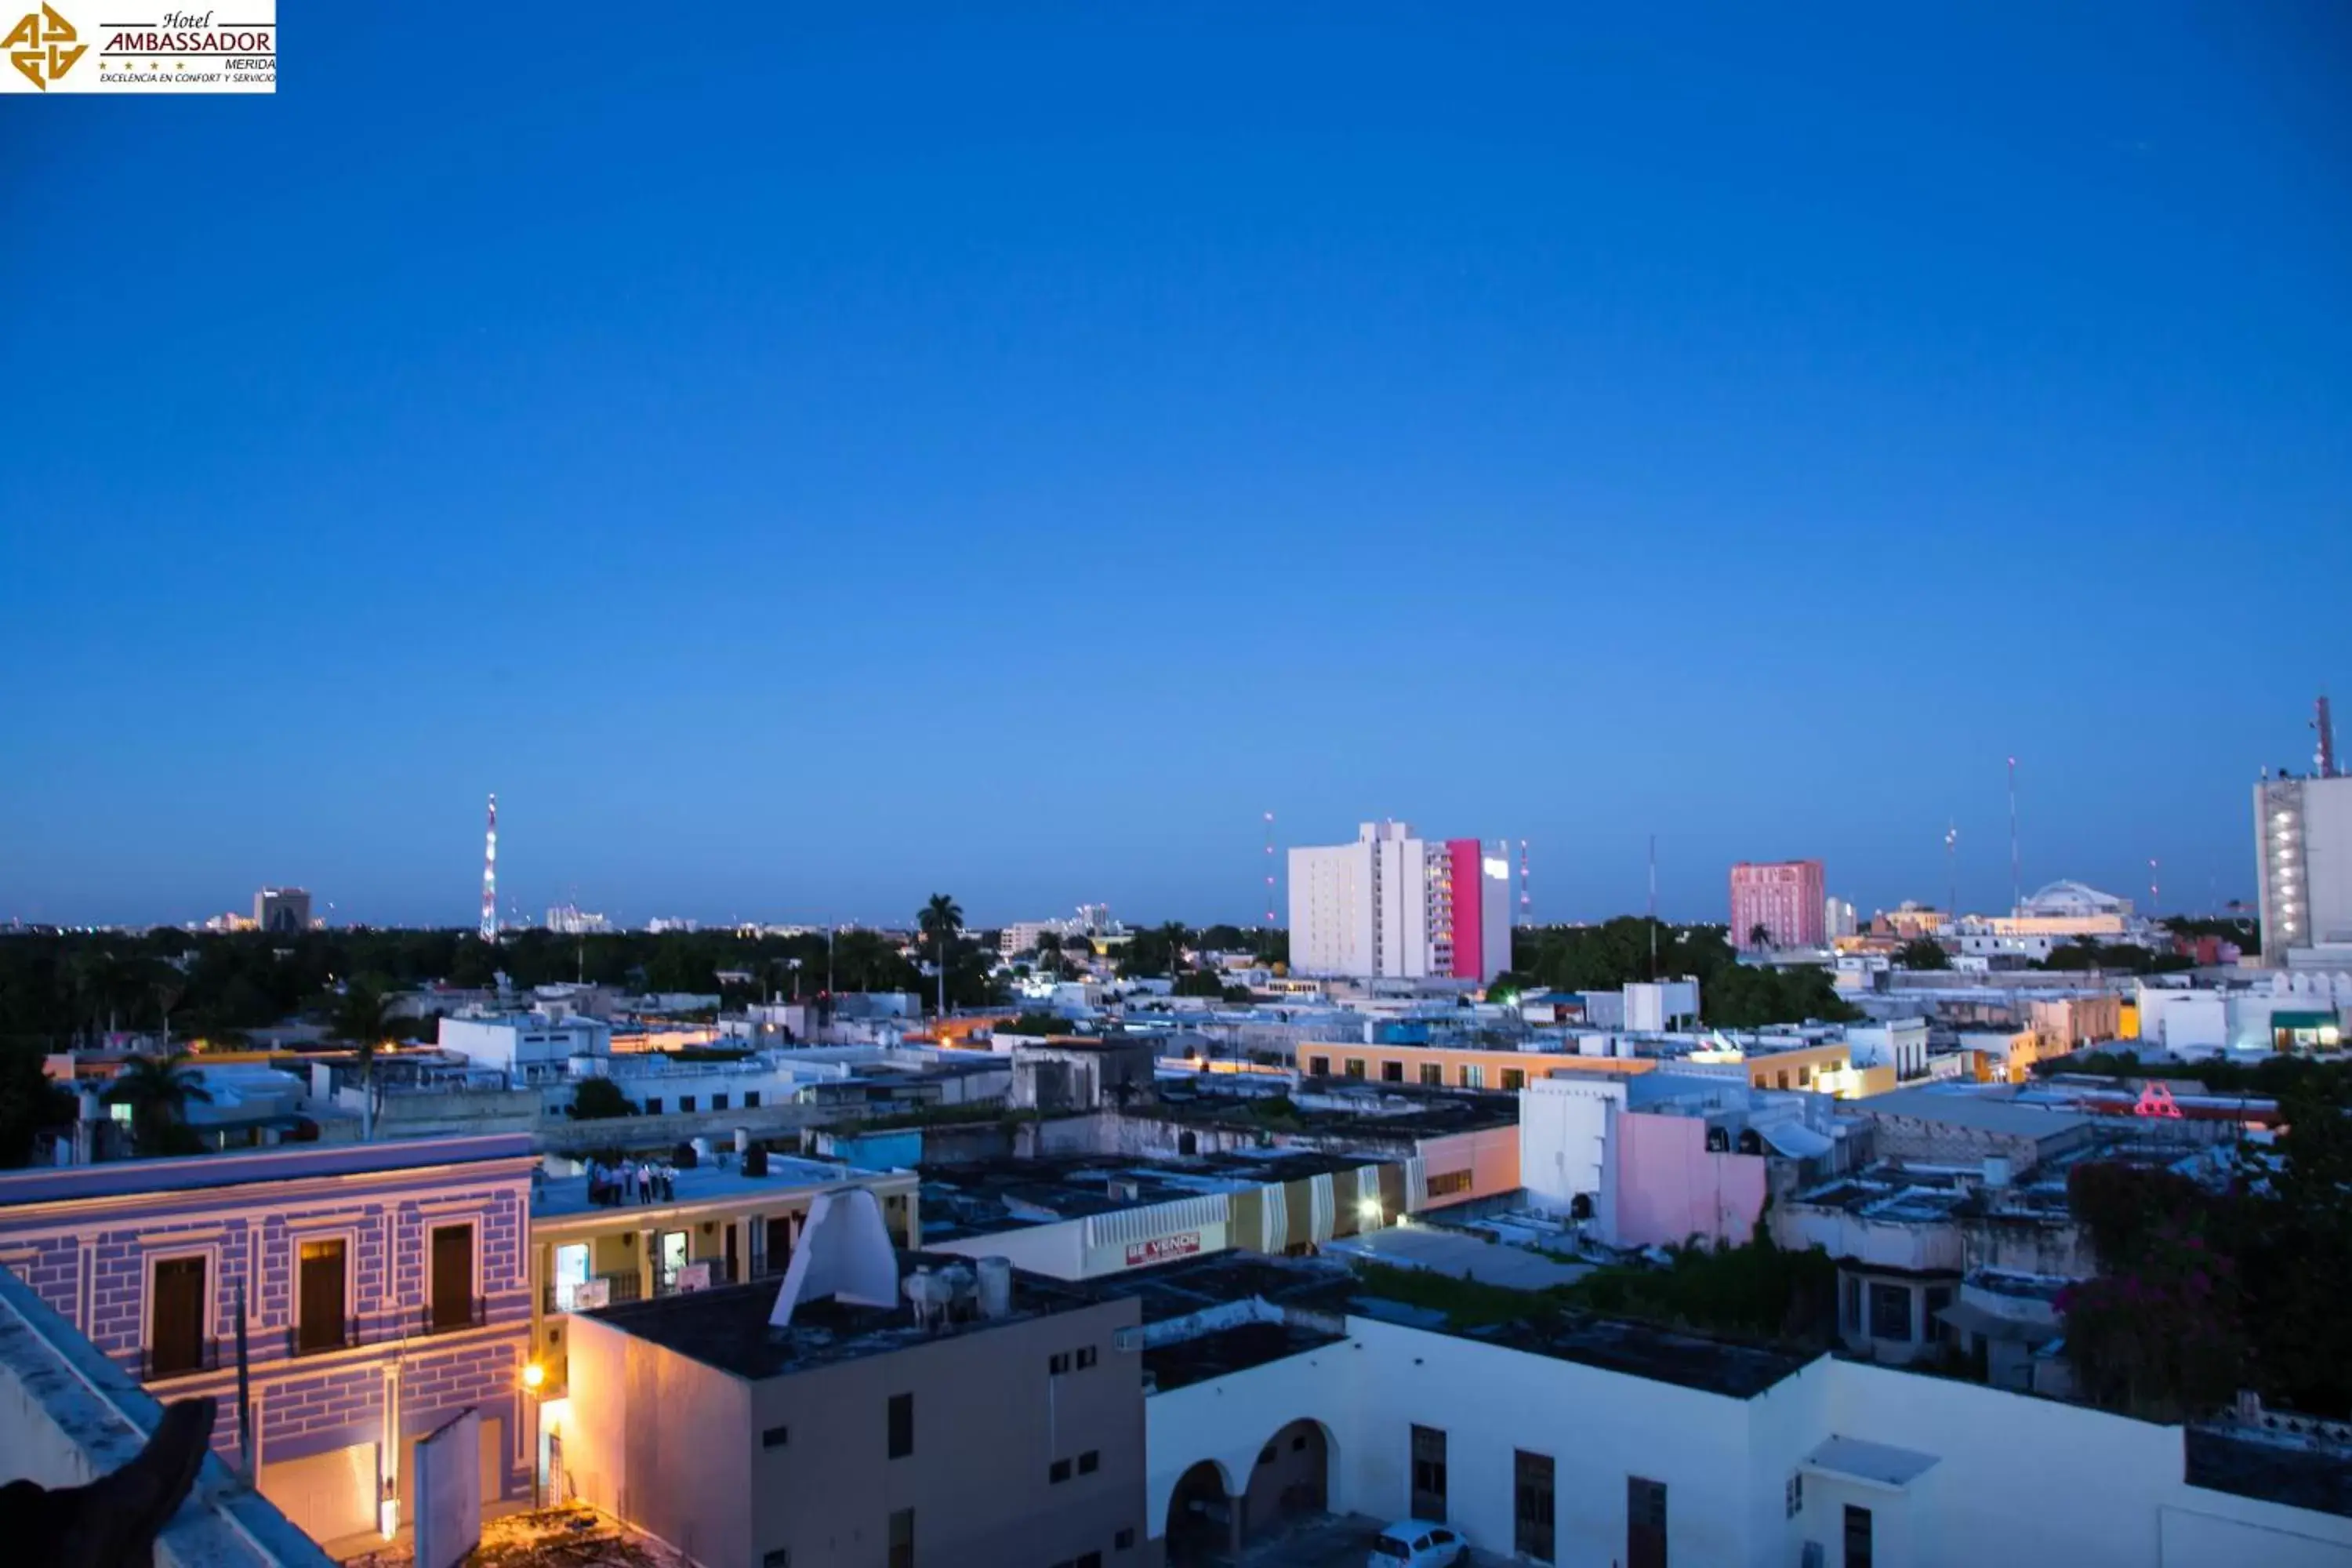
(1175, 933)
(1759, 935)
(360, 1022)
(941, 918)
(157, 1089)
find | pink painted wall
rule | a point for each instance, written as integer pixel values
(1469, 910)
(1669, 1185)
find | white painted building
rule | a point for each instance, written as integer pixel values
(526, 1046)
(1392, 905)
(1658, 1005)
(2302, 864)
(1619, 1444)
(1899, 1042)
(1564, 1138)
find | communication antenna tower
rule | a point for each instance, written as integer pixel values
(1269, 871)
(1952, 867)
(1654, 906)
(1526, 905)
(2324, 758)
(2016, 883)
(490, 875)
(2155, 902)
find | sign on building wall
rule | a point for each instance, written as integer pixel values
(1161, 1248)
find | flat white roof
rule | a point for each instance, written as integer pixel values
(1878, 1463)
(1978, 1111)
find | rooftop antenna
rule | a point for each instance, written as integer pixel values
(490, 875)
(1952, 867)
(1654, 906)
(1527, 907)
(2154, 904)
(2016, 884)
(2323, 759)
(1269, 871)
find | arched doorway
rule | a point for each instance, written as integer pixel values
(1292, 1478)
(1199, 1519)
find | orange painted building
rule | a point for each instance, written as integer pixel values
(1450, 1067)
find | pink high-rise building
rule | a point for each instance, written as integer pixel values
(1784, 897)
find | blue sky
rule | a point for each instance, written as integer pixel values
(803, 461)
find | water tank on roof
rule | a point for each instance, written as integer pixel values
(963, 1290)
(995, 1275)
(929, 1295)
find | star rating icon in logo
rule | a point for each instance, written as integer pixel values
(38, 47)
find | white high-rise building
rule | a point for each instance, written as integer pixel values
(1394, 906)
(2303, 859)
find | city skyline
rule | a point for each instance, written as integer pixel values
(793, 503)
(1688, 894)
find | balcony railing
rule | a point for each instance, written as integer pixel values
(314, 1340)
(477, 1313)
(176, 1363)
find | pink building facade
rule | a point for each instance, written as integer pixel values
(1785, 897)
(384, 1290)
(1669, 1187)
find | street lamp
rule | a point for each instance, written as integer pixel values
(534, 1378)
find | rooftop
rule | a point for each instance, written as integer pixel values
(728, 1328)
(1878, 1463)
(1173, 1290)
(2249, 1464)
(286, 1163)
(75, 1413)
(1235, 1348)
(1458, 1255)
(1639, 1350)
(1307, 1290)
(1977, 1112)
(981, 1196)
(1343, 1108)
(561, 1197)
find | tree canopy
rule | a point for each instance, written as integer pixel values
(1923, 953)
(1617, 952)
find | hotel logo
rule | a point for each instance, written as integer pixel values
(43, 47)
(161, 51)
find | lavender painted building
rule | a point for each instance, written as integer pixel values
(384, 1291)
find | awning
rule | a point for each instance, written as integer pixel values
(1970, 1318)
(1795, 1140)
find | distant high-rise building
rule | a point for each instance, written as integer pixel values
(2303, 861)
(281, 909)
(1838, 918)
(569, 920)
(1784, 898)
(1394, 906)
